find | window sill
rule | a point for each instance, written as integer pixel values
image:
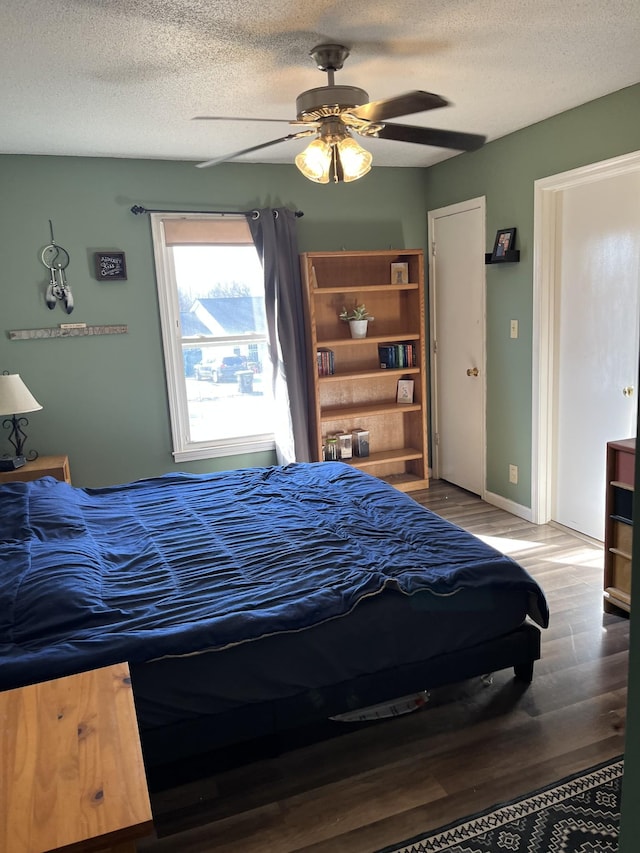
(224, 449)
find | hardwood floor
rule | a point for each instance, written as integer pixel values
(472, 746)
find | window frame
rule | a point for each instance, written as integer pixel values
(183, 448)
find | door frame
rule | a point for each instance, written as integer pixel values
(432, 215)
(546, 240)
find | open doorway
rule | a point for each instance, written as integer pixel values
(585, 333)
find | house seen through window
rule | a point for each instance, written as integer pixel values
(211, 289)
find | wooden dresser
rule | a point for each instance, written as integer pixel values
(618, 531)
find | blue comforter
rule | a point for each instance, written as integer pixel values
(185, 563)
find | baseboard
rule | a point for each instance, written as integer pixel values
(509, 506)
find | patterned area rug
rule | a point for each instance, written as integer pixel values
(579, 814)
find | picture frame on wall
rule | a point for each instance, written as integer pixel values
(110, 266)
(505, 241)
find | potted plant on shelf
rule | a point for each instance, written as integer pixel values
(358, 319)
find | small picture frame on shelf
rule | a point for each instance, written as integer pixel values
(360, 441)
(405, 391)
(504, 242)
(345, 445)
(400, 273)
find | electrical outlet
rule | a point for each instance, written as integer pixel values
(514, 329)
(513, 474)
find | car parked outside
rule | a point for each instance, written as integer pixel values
(221, 369)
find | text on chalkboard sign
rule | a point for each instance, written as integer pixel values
(110, 266)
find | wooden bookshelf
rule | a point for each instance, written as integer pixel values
(361, 394)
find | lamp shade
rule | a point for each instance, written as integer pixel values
(15, 397)
(334, 154)
(356, 161)
(315, 161)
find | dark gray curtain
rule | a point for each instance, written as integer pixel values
(274, 234)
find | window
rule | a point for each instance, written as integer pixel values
(211, 293)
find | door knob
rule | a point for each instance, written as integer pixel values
(628, 391)
(472, 371)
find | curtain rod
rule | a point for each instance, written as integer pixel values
(138, 209)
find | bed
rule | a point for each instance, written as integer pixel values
(254, 600)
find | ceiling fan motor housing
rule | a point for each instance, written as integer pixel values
(329, 57)
(328, 100)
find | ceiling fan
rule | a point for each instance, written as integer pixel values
(332, 113)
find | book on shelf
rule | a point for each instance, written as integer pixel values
(396, 356)
(326, 365)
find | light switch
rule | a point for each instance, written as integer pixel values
(514, 328)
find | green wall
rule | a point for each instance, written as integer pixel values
(504, 172)
(104, 398)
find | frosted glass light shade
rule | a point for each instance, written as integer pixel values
(315, 161)
(355, 160)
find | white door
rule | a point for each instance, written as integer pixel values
(456, 280)
(597, 341)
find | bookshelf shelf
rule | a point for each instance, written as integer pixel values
(377, 373)
(370, 339)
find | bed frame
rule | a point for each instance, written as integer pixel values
(171, 745)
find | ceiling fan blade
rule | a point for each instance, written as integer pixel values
(236, 118)
(432, 136)
(235, 154)
(401, 105)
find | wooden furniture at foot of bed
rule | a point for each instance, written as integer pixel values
(71, 770)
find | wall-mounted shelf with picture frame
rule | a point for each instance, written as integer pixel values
(503, 248)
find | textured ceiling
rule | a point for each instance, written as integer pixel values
(124, 78)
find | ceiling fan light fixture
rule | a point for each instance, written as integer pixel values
(355, 160)
(315, 161)
(334, 154)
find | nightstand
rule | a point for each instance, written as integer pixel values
(43, 466)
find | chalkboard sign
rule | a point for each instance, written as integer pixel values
(110, 266)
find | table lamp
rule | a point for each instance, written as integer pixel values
(15, 398)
